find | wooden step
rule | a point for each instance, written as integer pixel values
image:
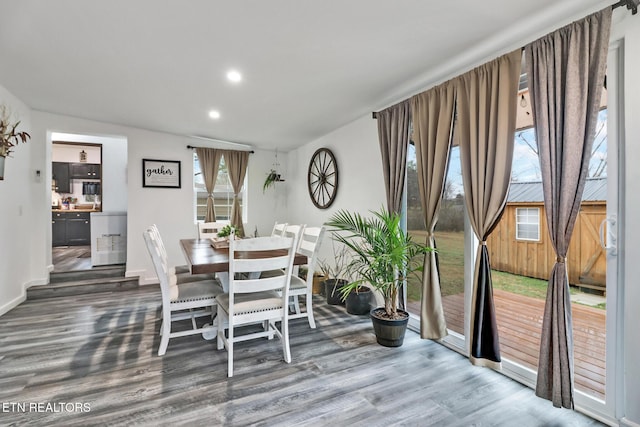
(103, 272)
(82, 287)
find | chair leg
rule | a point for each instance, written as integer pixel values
(220, 319)
(284, 328)
(312, 322)
(165, 331)
(230, 352)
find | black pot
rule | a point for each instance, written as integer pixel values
(332, 291)
(359, 302)
(389, 333)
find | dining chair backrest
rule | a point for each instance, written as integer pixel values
(294, 231)
(167, 278)
(309, 246)
(278, 229)
(247, 263)
(208, 230)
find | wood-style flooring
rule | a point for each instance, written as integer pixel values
(99, 351)
(71, 258)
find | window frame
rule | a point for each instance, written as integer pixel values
(228, 194)
(518, 223)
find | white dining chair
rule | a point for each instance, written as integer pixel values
(208, 230)
(278, 229)
(179, 302)
(309, 246)
(182, 272)
(259, 299)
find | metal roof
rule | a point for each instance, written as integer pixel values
(595, 189)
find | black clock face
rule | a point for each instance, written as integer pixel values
(322, 178)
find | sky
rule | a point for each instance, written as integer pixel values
(526, 166)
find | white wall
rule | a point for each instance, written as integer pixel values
(360, 184)
(170, 209)
(16, 212)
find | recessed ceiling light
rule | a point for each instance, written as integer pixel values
(234, 76)
(214, 114)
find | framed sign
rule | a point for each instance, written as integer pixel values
(161, 173)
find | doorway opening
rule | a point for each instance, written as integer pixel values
(88, 190)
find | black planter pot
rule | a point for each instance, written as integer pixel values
(332, 291)
(389, 333)
(359, 302)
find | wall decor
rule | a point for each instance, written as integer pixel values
(322, 178)
(161, 173)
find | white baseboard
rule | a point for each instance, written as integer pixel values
(50, 268)
(625, 422)
(13, 303)
(142, 277)
(39, 282)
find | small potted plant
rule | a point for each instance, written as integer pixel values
(334, 272)
(222, 239)
(226, 231)
(382, 255)
(9, 138)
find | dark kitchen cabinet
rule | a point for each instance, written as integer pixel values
(71, 229)
(59, 230)
(61, 181)
(85, 170)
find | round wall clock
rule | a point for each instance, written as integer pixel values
(322, 178)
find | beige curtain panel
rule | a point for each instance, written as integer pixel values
(566, 71)
(209, 159)
(393, 135)
(237, 162)
(432, 113)
(487, 99)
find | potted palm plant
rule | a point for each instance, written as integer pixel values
(382, 256)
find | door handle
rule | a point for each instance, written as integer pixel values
(608, 235)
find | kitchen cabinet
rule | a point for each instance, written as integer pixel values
(84, 170)
(70, 229)
(61, 181)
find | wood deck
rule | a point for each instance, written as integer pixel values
(519, 324)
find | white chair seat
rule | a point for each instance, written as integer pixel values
(297, 284)
(251, 303)
(188, 277)
(196, 291)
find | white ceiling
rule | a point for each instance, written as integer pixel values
(309, 66)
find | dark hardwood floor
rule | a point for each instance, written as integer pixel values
(99, 351)
(71, 258)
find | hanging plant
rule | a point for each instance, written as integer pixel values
(271, 179)
(9, 138)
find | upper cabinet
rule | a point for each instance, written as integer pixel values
(60, 172)
(84, 170)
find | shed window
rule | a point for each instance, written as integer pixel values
(528, 224)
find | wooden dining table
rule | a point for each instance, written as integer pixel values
(202, 257)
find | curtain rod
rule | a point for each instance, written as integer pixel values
(631, 5)
(190, 147)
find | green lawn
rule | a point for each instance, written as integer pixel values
(450, 246)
